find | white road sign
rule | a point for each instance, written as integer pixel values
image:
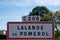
(31, 30)
(31, 18)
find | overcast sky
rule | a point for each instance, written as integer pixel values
(13, 10)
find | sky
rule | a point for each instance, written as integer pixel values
(13, 10)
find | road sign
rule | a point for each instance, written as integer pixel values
(31, 18)
(30, 31)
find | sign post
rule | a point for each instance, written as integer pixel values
(30, 31)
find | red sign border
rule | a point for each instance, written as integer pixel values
(30, 23)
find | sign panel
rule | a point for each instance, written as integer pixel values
(30, 30)
(31, 18)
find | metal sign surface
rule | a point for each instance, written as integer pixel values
(30, 30)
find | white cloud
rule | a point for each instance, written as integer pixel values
(30, 2)
(48, 2)
(16, 2)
